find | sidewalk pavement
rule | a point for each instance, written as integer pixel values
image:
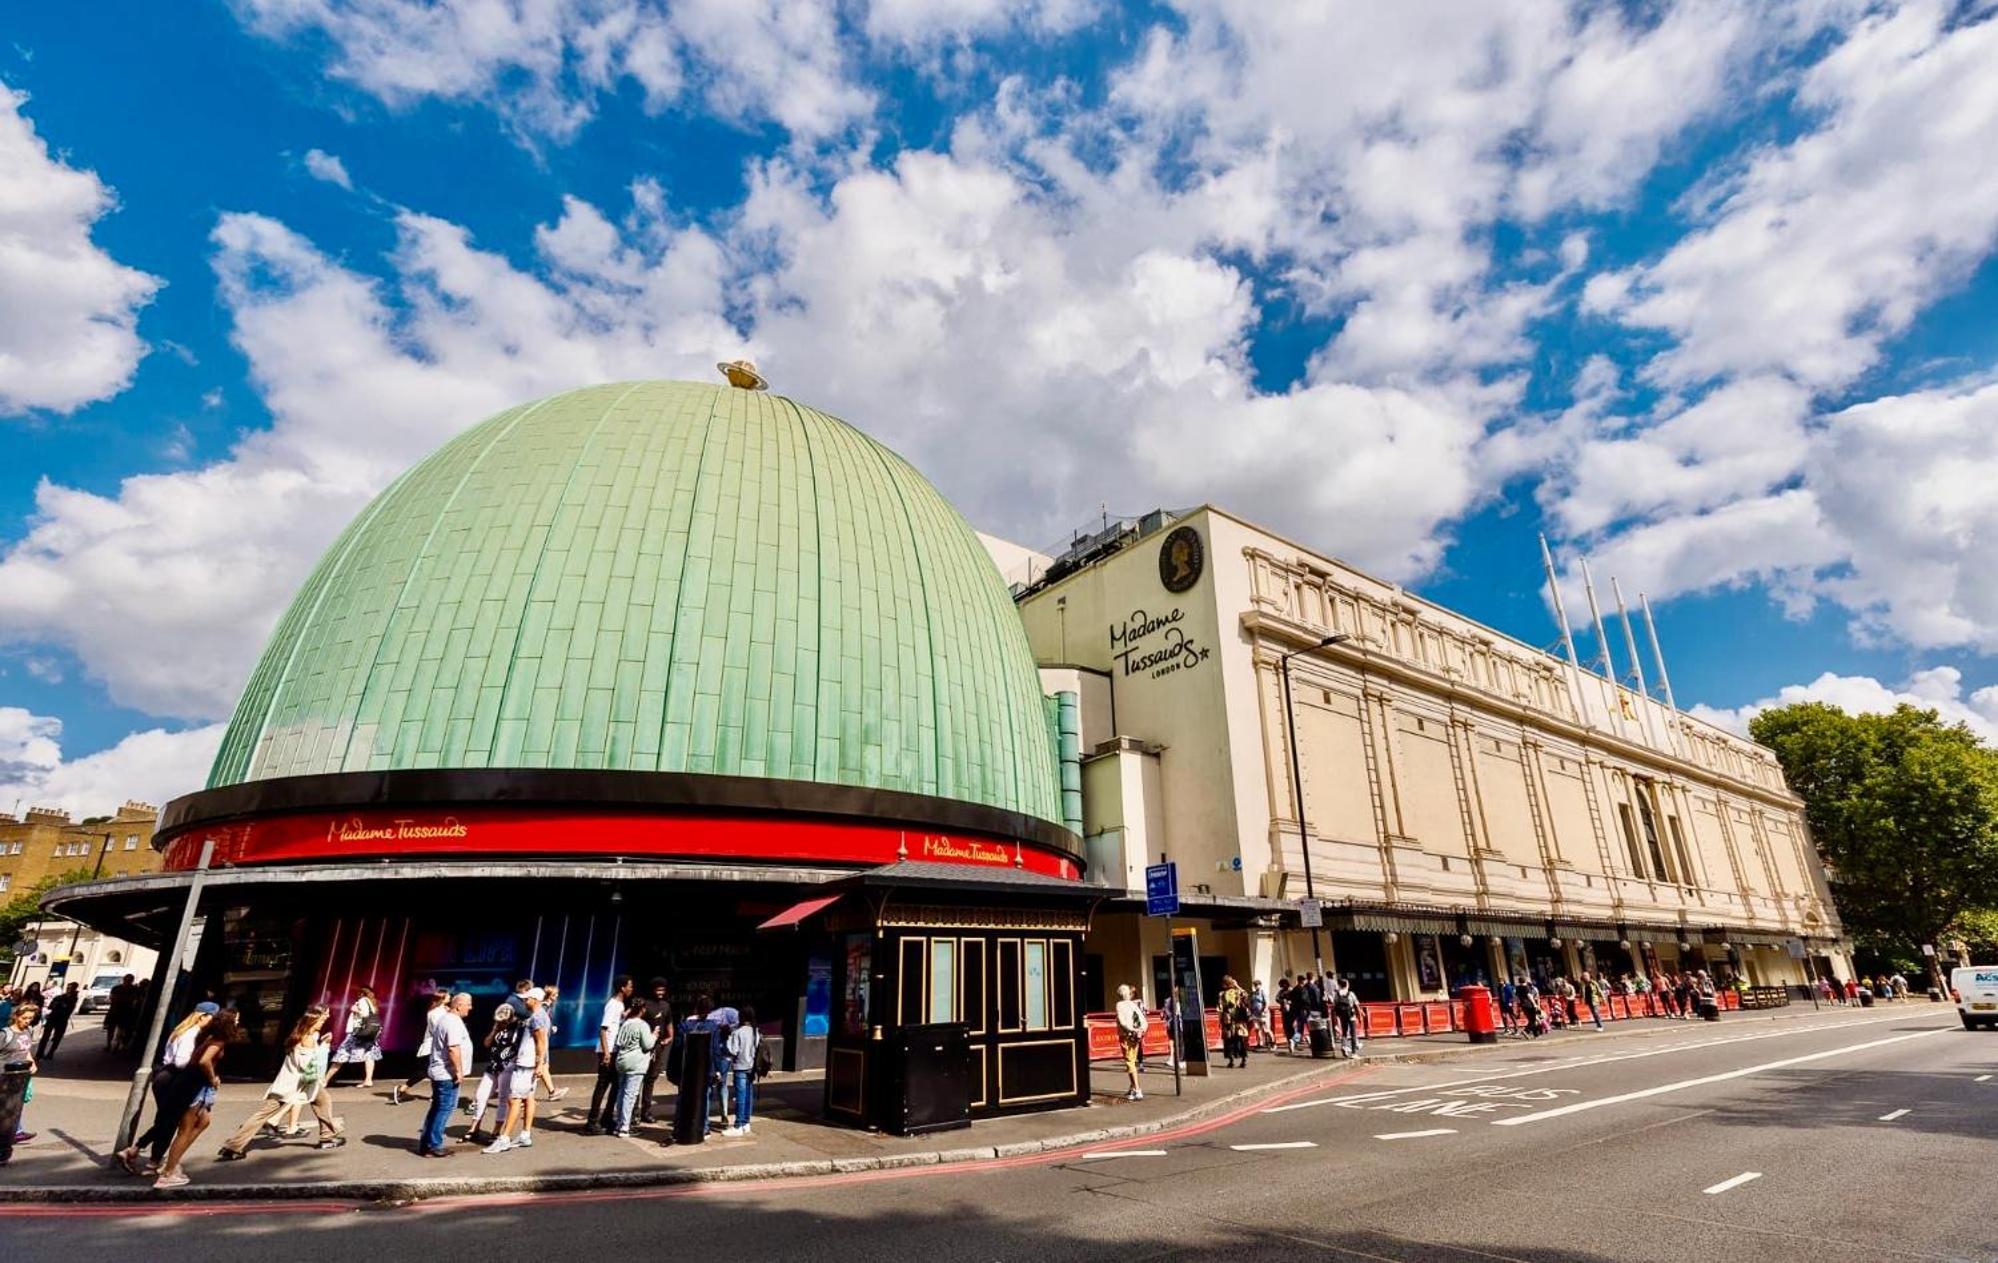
(78, 1098)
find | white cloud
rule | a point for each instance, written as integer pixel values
(321, 165)
(151, 766)
(1937, 688)
(1829, 245)
(69, 312)
(544, 64)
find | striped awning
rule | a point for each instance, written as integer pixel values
(1653, 934)
(1505, 929)
(1397, 922)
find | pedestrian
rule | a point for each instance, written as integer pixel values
(1508, 997)
(206, 1072)
(1130, 1036)
(438, 999)
(542, 1075)
(363, 1043)
(745, 1043)
(173, 1083)
(296, 1083)
(694, 1027)
(450, 1060)
(17, 1053)
(604, 1094)
(660, 1014)
(56, 1022)
(502, 1044)
(116, 1005)
(1234, 1007)
(1592, 996)
(1345, 1009)
(1529, 1008)
(517, 1086)
(1259, 1016)
(631, 1059)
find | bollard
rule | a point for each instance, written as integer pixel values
(1479, 1022)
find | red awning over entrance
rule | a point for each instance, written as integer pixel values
(797, 912)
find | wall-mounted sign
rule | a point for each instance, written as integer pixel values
(1180, 559)
(1155, 644)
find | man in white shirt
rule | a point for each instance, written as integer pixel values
(1130, 1036)
(450, 1059)
(603, 1097)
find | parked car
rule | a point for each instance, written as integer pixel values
(98, 994)
(1976, 995)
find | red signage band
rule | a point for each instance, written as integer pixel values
(486, 830)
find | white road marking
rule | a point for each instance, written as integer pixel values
(1581, 1062)
(1888, 1118)
(1982, 1078)
(1736, 1182)
(1121, 1153)
(1414, 1135)
(1282, 1144)
(1663, 1088)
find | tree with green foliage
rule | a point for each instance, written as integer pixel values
(1904, 809)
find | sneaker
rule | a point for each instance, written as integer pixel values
(1134, 1095)
(332, 1142)
(748, 1133)
(175, 1180)
(23, 1137)
(500, 1145)
(731, 1131)
(524, 1141)
(558, 1094)
(622, 1135)
(226, 1154)
(593, 1130)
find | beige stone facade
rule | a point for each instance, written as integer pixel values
(1458, 783)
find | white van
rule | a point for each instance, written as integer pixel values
(1976, 995)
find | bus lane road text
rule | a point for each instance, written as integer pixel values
(1469, 1101)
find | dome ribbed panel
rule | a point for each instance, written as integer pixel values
(658, 576)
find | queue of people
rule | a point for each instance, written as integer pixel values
(505, 1071)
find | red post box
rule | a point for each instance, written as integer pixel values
(1479, 1020)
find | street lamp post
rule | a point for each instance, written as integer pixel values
(1297, 787)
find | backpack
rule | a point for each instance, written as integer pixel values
(763, 1064)
(1344, 1003)
(506, 1043)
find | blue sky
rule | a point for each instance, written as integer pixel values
(1704, 290)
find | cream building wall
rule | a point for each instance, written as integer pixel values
(1447, 768)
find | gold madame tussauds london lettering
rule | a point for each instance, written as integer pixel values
(354, 829)
(935, 847)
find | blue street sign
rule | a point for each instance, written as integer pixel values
(1161, 890)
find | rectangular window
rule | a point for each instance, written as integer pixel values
(1007, 975)
(943, 980)
(1630, 839)
(971, 967)
(1650, 824)
(131, 841)
(909, 987)
(6, 880)
(1679, 848)
(1035, 991)
(1061, 985)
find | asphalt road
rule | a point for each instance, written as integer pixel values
(1859, 1138)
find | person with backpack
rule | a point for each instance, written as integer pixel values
(747, 1062)
(516, 1085)
(363, 1042)
(1234, 1003)
(631, 1057)
(502, 1045)
(1508, 1000)
(1130, 1036)
(1259, 1015)
(1346, 1018)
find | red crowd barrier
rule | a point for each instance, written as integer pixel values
(1436, 1017)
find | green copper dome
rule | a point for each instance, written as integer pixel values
(658, 576)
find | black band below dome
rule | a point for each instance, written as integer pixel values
(602, 790)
